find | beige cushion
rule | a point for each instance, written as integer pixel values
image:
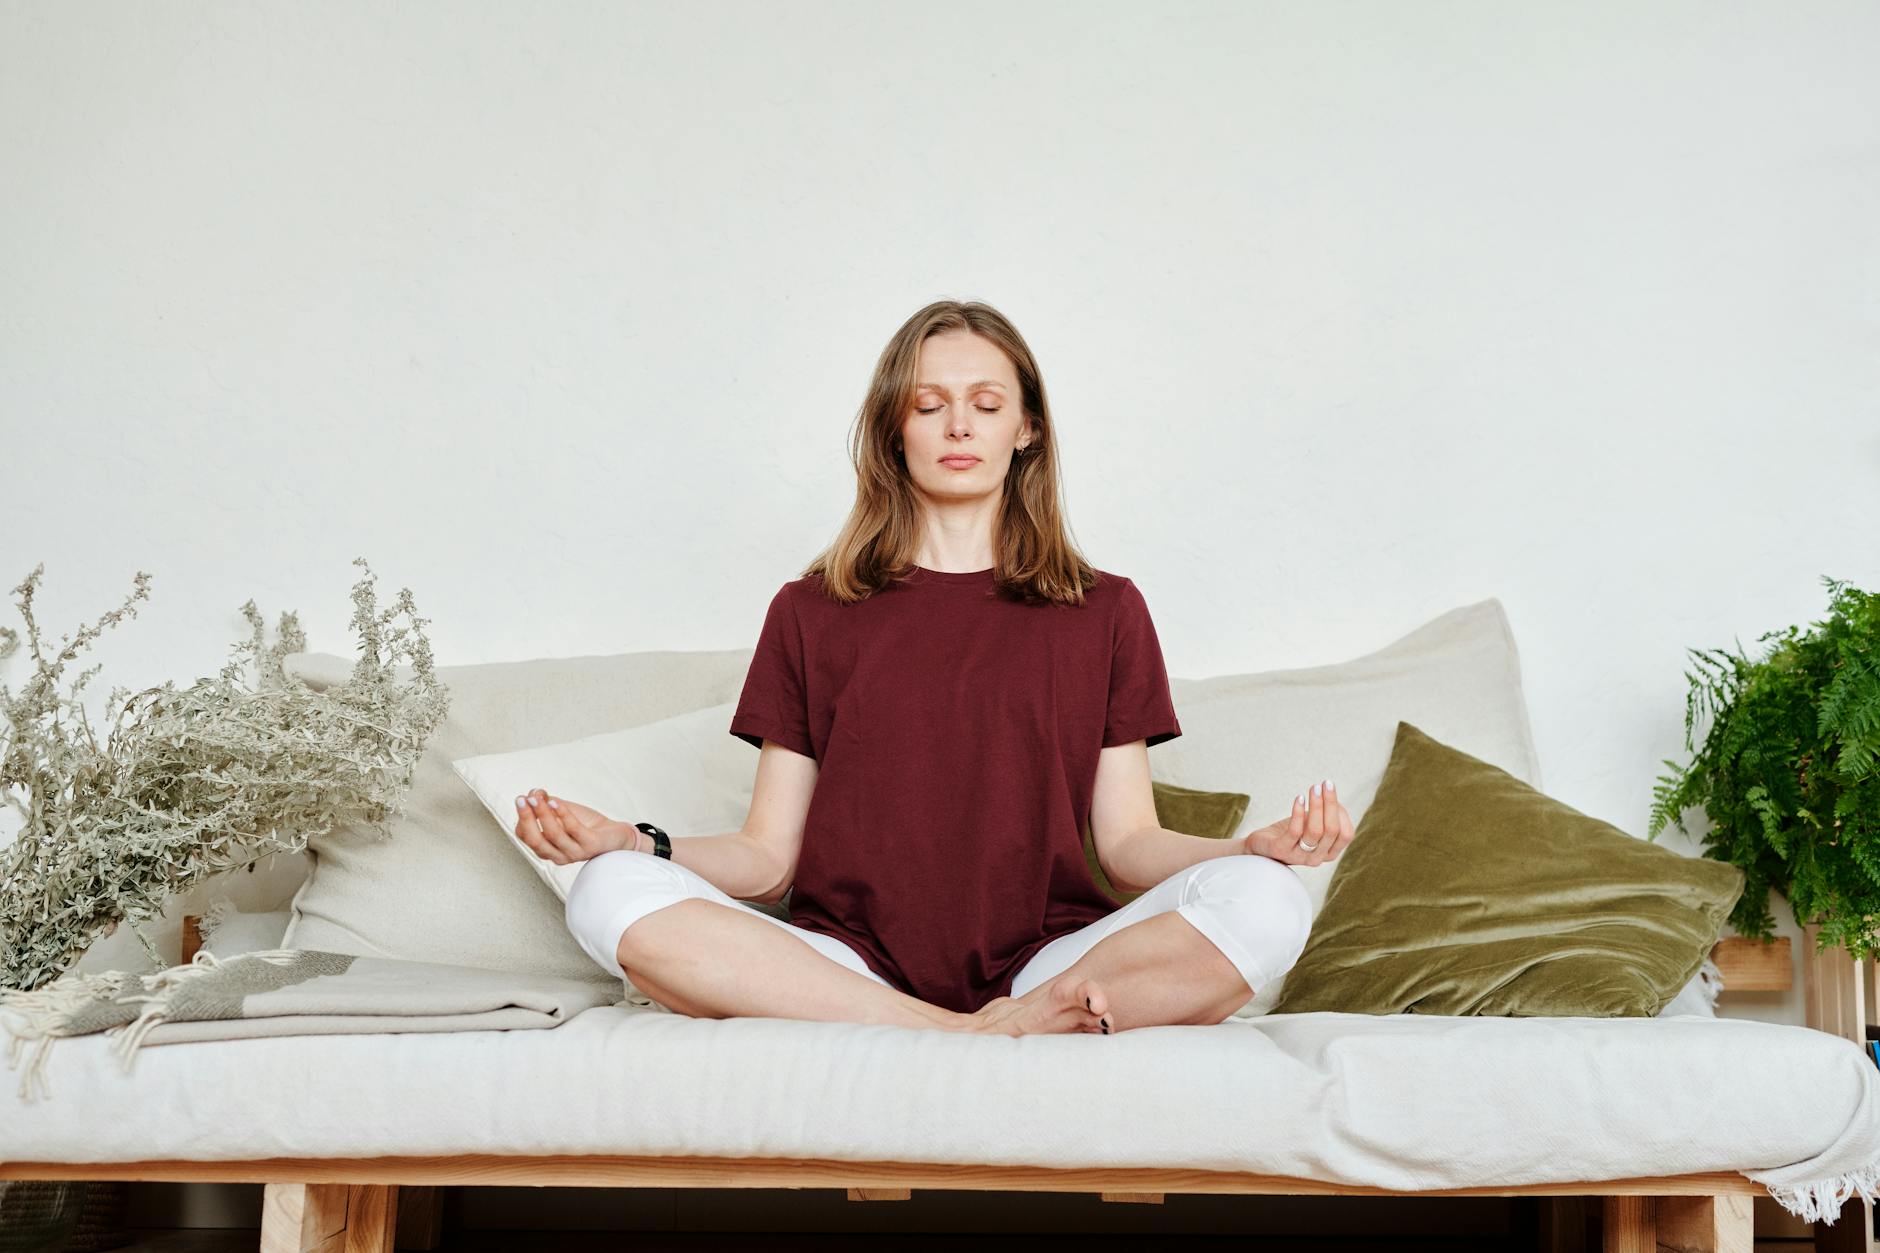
(447, 886)
(687, 774)
(1271, 733)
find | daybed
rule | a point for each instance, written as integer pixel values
(1677, 1120)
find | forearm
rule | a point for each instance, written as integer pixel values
(1146, 857)
(734, 863)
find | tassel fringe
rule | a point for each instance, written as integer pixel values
(161, 986)
(1821, 1201)
(48, 1012)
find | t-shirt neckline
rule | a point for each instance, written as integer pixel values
(925, 575)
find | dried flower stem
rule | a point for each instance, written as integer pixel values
(195, 782)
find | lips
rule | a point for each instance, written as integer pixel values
(963, 460)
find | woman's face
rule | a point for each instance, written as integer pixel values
(965, 419)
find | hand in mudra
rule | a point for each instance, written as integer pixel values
(1316, 831)
(564, 831)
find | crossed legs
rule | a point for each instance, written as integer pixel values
(1190, 950)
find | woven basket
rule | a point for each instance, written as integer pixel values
(37, 1215)
(104, 1222)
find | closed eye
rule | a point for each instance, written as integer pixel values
(981, 408)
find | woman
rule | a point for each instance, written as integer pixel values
(940, 702)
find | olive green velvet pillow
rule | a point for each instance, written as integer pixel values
(1466, 891)
(1185, 809)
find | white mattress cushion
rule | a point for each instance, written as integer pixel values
(1401, 1101)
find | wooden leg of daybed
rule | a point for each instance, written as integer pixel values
(1134, 1198)
(1716, 1223)
(1720, 1223)
(420, 1217)
(329, 1217)
(1629, 1225)
(1562, 1224)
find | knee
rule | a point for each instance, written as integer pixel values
(1272, 903)
(604, 882)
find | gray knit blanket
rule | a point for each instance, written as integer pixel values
(280, 992)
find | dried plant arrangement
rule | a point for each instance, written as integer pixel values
(195, 782)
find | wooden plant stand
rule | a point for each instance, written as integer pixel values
(1838, 996)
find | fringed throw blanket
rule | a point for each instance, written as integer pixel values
(282, 992)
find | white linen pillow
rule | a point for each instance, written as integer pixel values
(435, 884)
(229, 932)
(685, 774)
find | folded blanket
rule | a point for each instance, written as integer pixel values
(284, 991)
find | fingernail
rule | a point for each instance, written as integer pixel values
(554, 804)
(519, 802)
(1330, 786)
(531, 800)
(1317, 788)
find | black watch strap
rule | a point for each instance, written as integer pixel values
(662, 843)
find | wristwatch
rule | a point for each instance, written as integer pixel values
(662, 843)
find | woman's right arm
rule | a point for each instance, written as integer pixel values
(772, 836)
(755, 863)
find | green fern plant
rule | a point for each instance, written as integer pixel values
(1788, 772)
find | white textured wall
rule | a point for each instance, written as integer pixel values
(559, 313)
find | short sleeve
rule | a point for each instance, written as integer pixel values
(1141, 707)
(774, 704)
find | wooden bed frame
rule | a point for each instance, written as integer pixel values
(376, 1204)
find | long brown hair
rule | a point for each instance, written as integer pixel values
(1033, 554)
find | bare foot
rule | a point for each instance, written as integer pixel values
(1068, 1003)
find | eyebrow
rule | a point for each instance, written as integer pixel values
(935, 387)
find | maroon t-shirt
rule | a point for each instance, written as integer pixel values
(956, 734)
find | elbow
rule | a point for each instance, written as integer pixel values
(780, 877)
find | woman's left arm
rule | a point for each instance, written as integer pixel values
(1137, 852)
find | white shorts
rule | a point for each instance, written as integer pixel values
(1253, 908)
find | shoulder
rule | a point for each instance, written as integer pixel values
(802, 599)
(1112, 589)
(797, 588)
